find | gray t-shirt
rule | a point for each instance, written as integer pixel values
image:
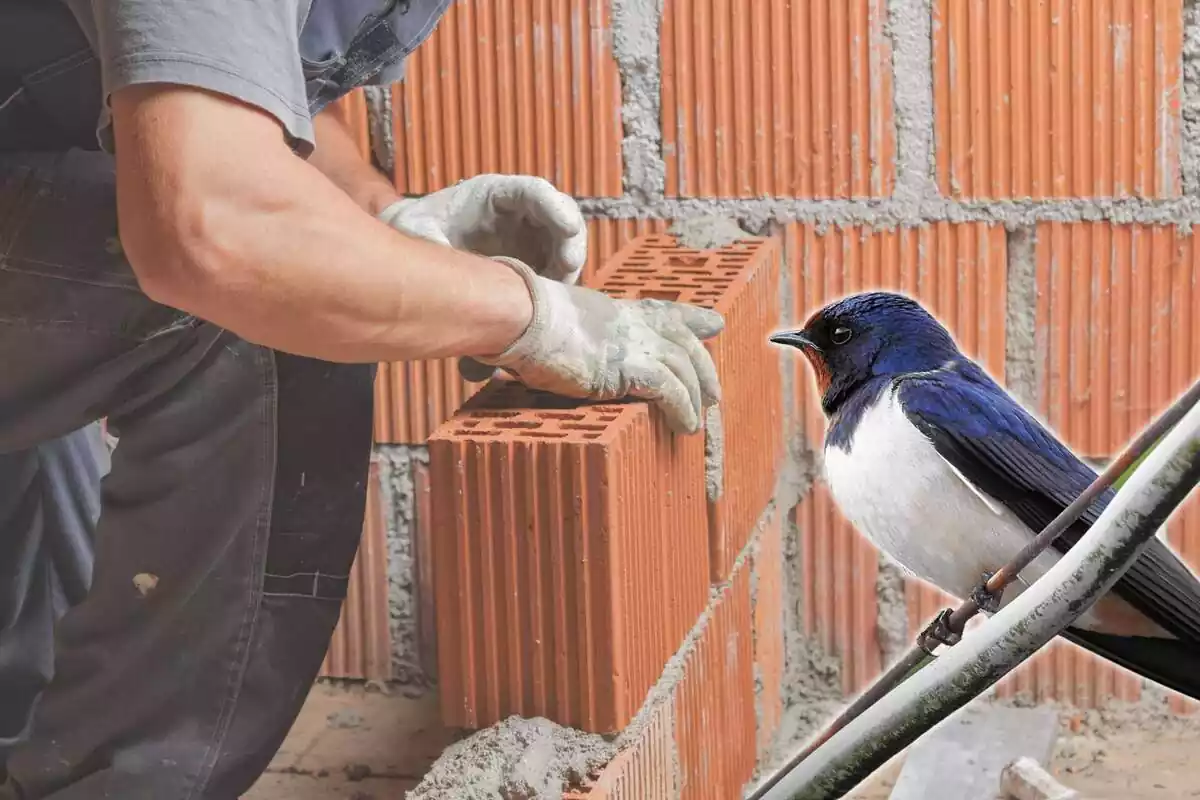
(247, 49)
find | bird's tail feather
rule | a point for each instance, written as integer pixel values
(1174, 663)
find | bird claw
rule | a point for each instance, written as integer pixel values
(939, 632)
(987, 600)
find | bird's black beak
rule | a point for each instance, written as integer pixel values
(797, 339)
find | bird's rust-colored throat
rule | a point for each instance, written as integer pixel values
(820, 368)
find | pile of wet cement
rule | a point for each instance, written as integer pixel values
(517, 759)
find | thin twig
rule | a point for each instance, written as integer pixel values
(919, 655)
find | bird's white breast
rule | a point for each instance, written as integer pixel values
(911, 503)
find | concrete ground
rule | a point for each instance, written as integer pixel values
(352, 743)
(1136, 758)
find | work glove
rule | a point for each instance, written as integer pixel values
(583, 343)
(519, 216)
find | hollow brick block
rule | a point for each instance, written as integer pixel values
(570, 556)
(741, 281)
(767, 571)
(714, 703)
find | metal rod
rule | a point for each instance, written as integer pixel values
(919, 656)
(914, 659)
(1085, 573)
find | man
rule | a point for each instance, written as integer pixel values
(228, 334)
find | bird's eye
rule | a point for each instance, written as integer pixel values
(840, 335)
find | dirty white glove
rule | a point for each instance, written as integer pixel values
(519, 216)
(583, 343)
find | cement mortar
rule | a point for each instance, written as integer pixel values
(891, 626)
(379, 127)
(1190, 110)
(714, 453)
(707, 233)
(517, 759)
(1020, 357)
(908, 29)
(635, 29)
(396, 466)
(889, 213)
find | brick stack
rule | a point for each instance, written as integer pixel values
(578, 549)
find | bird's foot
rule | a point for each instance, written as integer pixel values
(987, 600)
(939, 632)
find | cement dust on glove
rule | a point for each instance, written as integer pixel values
(518, 216)
(515, 216)
(582, 343)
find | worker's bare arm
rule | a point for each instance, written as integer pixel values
(220, 219)
(337, 156)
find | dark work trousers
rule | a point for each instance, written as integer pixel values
(49, 502)
(229, 518)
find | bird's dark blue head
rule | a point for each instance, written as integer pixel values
(869, 335)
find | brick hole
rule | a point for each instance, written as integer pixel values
(519, 424)
(681, 260)
(592, 435)
(561, 415)
(658, 294)
(495, 415)
(470, 423)
(474, 432)
(582, 426)
(546, 434)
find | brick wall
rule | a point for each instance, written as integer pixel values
(1027, 168)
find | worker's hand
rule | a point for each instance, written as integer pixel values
(518, 216)
(583, 343)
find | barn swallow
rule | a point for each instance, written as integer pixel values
(946, 473)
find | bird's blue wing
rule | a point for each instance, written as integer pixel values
(1006, 453)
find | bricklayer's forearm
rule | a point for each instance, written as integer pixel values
(221, 220)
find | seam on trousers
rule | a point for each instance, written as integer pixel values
(270, 425)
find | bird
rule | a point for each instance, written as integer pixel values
(949, 476)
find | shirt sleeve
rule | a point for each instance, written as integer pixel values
(246, 49)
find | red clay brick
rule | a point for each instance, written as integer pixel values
(361, 647)
(606, 237)
(714, 703)
(512, 86)
(767, 571)
(1037, 99)
(570, 560)
(839, 568)
(412, 398)
(645, 770)
(1118, 331)
(777, 98)
(742, 282)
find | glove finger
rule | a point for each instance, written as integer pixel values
(569, 259)
(426, 228)
(703, 322)
(474, 371)
(537, 199)
(701, 361)
(658, 384)
(677, 360)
